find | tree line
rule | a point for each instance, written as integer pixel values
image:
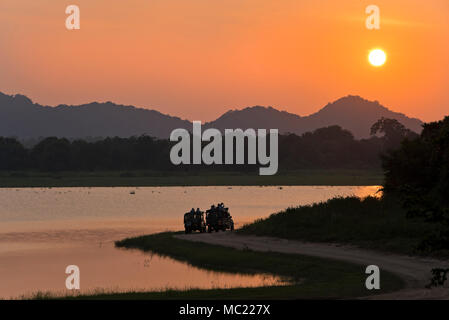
(326, 148)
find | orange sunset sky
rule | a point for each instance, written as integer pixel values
(199, 58)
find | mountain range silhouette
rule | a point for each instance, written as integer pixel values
(21, 118)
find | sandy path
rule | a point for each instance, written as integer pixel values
(415, 271)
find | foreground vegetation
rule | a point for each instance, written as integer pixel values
(19, 179)
(258, 293)
(373, 223)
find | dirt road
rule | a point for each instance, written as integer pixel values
(415, 271)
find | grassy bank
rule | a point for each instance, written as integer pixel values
(145, 178)
(309, 277)
(369, 223)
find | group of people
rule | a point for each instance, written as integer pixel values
(193, 214)
(197, 211)
(220, 209)
(217, 219)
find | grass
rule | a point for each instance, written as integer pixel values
(309, 277)
(258, 293)
(373, 223)
(150, 178)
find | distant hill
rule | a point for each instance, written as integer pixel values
(22, 118)
(352, 113)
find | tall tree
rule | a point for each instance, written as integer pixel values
(393, 132)
(418, 172)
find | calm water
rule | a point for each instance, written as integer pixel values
(43, 230)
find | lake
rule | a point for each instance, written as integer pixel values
(43, 230)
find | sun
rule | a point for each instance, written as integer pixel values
(377, 57)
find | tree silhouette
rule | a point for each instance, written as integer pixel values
(393, 132)
(13, 155)
(326, 148)
(418, 173)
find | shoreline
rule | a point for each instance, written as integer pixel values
(182, 179)
(309, 277)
